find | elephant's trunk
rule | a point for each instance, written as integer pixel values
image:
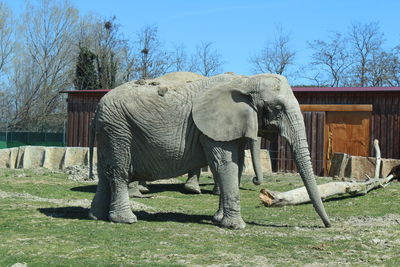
(296, 136)
(255, 147)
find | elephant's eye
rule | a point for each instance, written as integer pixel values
(278, 107)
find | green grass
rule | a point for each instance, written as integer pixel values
(175, 229)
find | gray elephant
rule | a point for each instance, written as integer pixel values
(192, 183)
(156, 131)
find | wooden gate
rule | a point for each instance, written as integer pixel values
(347, 132)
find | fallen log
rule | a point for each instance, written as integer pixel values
(299, 195)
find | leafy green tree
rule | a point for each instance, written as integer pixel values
(85, 73)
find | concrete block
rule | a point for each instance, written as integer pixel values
(265, 163)
(357, 168)
(54, 157)
(19, 157)
(338, 164)
(31, 157)
(388, 165)
(75, 156)
(12, 162)
(4, 157)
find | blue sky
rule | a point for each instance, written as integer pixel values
(238, 29)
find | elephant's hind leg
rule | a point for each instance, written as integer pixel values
(120, 210)
(115, 145)
(117, 174)
(111, 200)
(101, 202)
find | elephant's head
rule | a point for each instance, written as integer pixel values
(250, 106)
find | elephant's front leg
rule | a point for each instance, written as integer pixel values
(224, 159)
(228, 175)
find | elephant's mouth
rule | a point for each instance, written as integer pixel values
(266, 129)
(268, 132)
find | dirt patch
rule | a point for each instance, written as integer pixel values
(370, 221)
(69, 202)
(84, 203)
(80, 173)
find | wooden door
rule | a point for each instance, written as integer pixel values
(347, 132)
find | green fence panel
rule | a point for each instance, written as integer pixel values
(3, 140)
(16, 139)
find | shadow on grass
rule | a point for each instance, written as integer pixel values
(343, 197)
(82, 214)
(284, 225)
(86, 188)
(66, 212)
(158, 188)
(173, 217)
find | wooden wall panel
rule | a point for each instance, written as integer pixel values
(384, 127)
(81, 108)
(314, 123)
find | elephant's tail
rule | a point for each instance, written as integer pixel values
(92, 137)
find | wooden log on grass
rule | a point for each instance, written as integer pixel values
(299, 195)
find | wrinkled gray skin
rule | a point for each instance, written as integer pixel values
(192, 183)
(143, 134)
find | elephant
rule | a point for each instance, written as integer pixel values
(192, 183)
(151, 130)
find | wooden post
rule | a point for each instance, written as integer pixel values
(378, 158)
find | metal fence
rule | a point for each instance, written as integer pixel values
(15, 139)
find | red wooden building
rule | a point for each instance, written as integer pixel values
(337, 120)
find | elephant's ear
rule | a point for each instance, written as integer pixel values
(225, 112)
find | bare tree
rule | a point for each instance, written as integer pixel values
(128, 59)
(331, 59)
(206, 60)
(6, 34)
(393, 67)
(179, 59)
(44, 66)
(7, 44)
(366, 41)
(379, 68)
(275, 57)
(108, 44)
(152, 59)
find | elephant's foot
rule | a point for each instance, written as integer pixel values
(143, 187)
(98, 215)
(123, 216)
(218, 216)
(135, 193)
(234, 223)
(192, 187)
(134, 190)
(216, 190)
